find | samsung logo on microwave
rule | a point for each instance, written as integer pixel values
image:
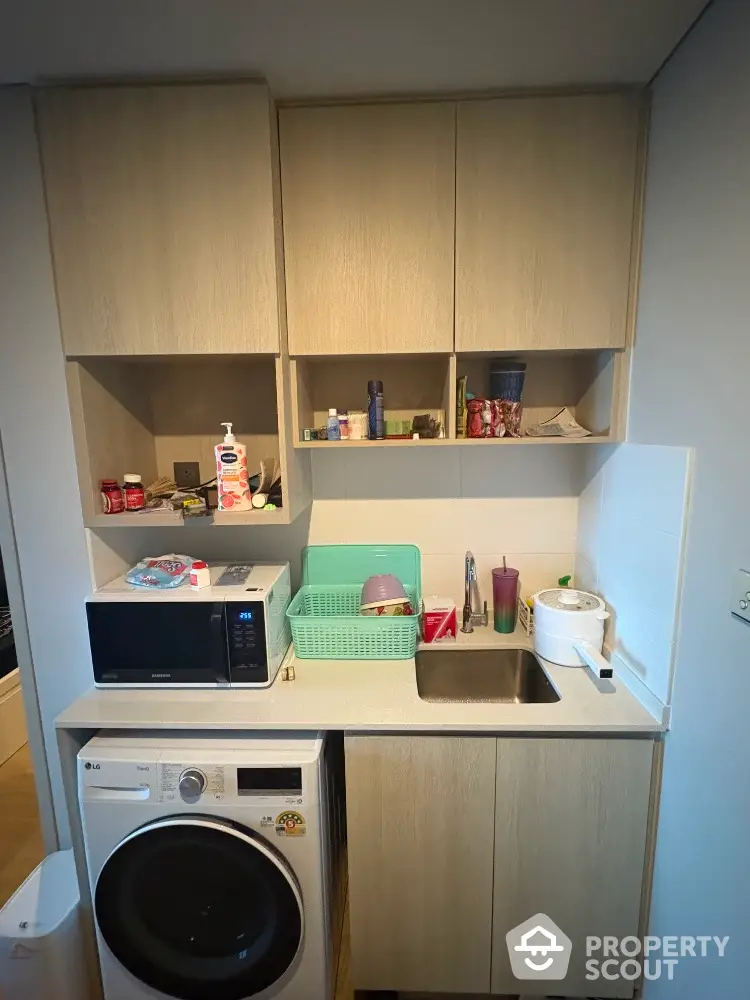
(158, 676)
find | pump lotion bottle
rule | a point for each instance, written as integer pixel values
(231, 473)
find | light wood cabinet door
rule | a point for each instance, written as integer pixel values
(161, 211)
(420, 827)
(546, 194)
(368, 202)
(570, 842)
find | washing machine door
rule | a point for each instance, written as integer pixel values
(200, 908)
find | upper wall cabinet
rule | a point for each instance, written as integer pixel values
(162, 211)
(369, 196)
(545, 211)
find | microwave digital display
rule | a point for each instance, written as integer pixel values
(245, 616)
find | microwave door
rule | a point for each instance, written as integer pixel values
(219, 644)
(158, 642)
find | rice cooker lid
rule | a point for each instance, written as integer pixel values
(563, 599)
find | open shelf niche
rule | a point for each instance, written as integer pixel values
(143, 414)
(412, 385)
(590, 383)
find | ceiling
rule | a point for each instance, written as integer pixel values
(326, 48)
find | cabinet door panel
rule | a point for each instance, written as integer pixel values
(570, 842)
(369, 211)
(160, 201)
(545, 202)
(420, 826)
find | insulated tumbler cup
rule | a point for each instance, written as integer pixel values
(505, 598)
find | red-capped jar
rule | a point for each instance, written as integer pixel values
(112, 499)
(135, 495)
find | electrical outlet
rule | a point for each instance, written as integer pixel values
(187, 475)
(741, 595)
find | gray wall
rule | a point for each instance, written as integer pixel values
(37, 437)
(691, 381)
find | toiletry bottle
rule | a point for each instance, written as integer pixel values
(375, 414)
(231, 473)
(334, 430)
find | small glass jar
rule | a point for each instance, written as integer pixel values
(135, 495)
(112, 499)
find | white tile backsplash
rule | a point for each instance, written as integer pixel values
(517, 502)
(649, 483)
(630, 543)
(443, 574)
(508, 471)
(479, 471)
(536, 535)
(399, 473)
(641, 561)
(445, 526)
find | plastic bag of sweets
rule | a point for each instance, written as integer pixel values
(512, 412)
(485, 418)
(161, 572)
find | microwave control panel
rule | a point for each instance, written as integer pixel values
(246, 639)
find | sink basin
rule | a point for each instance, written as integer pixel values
(502, 675)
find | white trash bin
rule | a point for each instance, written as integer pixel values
(41, 953)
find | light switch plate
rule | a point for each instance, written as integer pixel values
(741, 595)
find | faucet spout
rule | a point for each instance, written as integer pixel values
(473, 613)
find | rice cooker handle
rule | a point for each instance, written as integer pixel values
(593, 659)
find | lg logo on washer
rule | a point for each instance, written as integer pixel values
(92, 767)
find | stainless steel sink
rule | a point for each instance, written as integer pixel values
(463, 675)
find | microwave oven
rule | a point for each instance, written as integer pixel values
(234, 633)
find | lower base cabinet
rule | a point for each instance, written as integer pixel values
(455, 841)
(420, 820)
(571, 822)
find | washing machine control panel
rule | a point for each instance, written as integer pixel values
(182, 782)
(179, 782)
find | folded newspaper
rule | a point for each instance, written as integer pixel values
(563, 424)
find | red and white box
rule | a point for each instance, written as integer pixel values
(440, 621)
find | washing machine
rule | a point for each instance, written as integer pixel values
(215, 863)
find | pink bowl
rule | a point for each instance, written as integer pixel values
(383, 587)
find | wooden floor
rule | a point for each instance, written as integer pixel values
(21, 847)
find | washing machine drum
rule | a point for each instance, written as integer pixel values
(200, 909)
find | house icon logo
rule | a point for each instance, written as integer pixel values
(538, 949)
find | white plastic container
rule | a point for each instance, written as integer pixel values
(200, 576)
(41, 951)
(569, 628)
(231, 473)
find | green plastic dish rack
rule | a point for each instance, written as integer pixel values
(324, 614)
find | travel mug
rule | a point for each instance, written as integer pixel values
(505, 598)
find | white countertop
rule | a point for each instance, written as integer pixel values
(368, 696)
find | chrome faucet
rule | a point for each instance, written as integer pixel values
(472, 597)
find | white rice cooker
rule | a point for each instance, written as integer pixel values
(569, 629)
